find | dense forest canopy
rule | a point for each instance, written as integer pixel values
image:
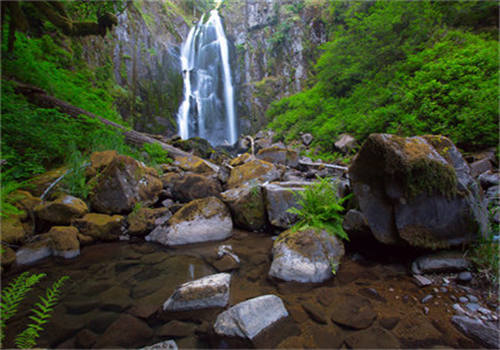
(401, 67)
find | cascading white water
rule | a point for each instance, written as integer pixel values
(208, 108)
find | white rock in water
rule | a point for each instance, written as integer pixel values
(206, 292)
(247, 319)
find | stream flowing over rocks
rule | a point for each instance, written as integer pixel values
(205, 254)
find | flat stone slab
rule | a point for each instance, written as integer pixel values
(206, 292)
(477, 330)
(353, 311)
(247, 319)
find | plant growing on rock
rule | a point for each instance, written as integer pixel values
(320, 208)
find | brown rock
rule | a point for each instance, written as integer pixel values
(481, 166)
(256, 170)
(98, 161)
(190, 186)
(27, 201)
(247, 207)
(194, 164)
(353, 311)
(315, 312)
(279, 155)
(327, 337)
(12, 229)
(8, 256)
(100, 226)
(142, 221)
(176, 329)
(389, 322)
(85, 240)
(62, 210)
(226, 263)
(64, 241)
(122, 184)
(241, 159)
(127, 331)
(373, 338)
(85, 339)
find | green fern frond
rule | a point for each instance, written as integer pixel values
(41, 313)
(12, 296)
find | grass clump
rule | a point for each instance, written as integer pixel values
(320, 208)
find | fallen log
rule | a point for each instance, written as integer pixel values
(40, 98)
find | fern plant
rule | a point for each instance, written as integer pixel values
(41, 313)
(13, 295)
(320, 207)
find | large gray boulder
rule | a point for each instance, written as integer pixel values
(201, 220)
(306, 256)
(249, 318)
(247, 207)
(188, 186)
(417, 190)
(206, 292)
(279, 197)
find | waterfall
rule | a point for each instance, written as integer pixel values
(208, 108)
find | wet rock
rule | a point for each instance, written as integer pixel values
(256, 171)
(353, 311)
(8, 256)
(372, 338)
(389, 322)
(99, 161)
(489, 179)
(100, 226)
(167, 344)
(421, 281)
(176, 329)
(372, 294)
(463, 299)
(464, 277)
(279, 197)
(355, 225)
(427, 298)
(40, 248)
(226, 263)
(80, 307)
(127, 331)
(115, 299)
(249, 318)
(306, 139)
(472, 298)
(316, 313)
(85, 339)
(207, 292)
(426, 310)
(188, 186)
(346, 143)
(144, 311)
(201, 220)
(305, 256)
(493, 196)
(142, 221)
(278, 155)
(12, 230)
(123, 183)
(196, 145)
(241, 159)
(478, 331)
(481, 166)
(472, 306)
(26, 201)
(418, 189)
(64, 241)
(247, 207)
(440, 262)
(196, 165)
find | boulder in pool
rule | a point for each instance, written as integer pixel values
(247, 206)
(249, 318)
(201, 220)
(206, 292)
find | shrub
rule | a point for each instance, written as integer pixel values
(320, 208)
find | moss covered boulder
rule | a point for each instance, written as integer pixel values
(279, 197)
(256, 171)
(241, 159)
(417, 190)
(98, 161)
(279, 155)
(121, 184)
(64, 241)
(142, 221)
(307, 256)
(189, 186)
(197, 145)
(196, 165)
(247, 207)
(61, 211)
(38, 184)
(100, 226)
(201, 220)
(12, 229)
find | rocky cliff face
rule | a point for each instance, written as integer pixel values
(276, 41)
(142, 54)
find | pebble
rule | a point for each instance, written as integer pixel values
(443, 289)
(426, 310)
(427, 298)
(391, 289)
(452, 297)
(421, 281)
(405, 299)
(465, 276)
(472, 298)
(446, 281)
(436, 290)
(458, 309)
(463, 299)
(472, 306)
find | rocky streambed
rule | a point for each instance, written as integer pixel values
(116, 291)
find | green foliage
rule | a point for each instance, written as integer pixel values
(41, 313)
(7, 199)
(397, 67)
(320, 208)
(75, 180)
(13, 294)
(92, 10)
(156, 154)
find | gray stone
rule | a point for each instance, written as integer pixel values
(201, 220)
(167, 345)
(493, 195)
(206, 292)
(279, 197)
(34, 251)
(465, 276)
(306, 256)
(489, 179)
(440, 262)
(481, 166)
(346, 143)
(249, 318)
(472, 298)
(306, 139)
(478, 331)
(278, 155)
(422, 281)
(472, 306)
(463, 299)
(355, 225)
(427, 298)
